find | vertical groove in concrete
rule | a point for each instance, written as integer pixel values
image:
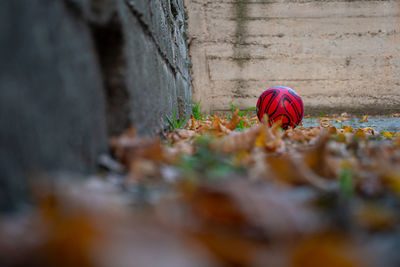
(240, 52)
(109, 43)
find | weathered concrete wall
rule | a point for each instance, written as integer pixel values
(157, 64)
(338, 55)
(74, 72)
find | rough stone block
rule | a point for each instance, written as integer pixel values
(142, 7)
(147, 76)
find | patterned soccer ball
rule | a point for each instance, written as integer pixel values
(281, 103)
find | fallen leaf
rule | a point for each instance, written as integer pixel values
(237, 141)
(330, 250)
(232, 124)
(387, 134)
(364, 119)
(128, 147)
(375, 217)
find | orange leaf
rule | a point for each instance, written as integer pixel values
(364, 119)
(328, 250)
(348, 129)
(232, 124)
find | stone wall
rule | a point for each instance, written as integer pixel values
(74, 72)
(338, 55)
(157, 63)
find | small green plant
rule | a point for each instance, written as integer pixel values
(174, 123)
(197, 112)
(240, 125)
(242, 113)
(346, 182)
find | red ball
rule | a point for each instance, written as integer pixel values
(281, 103)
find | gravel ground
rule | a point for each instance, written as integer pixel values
(380, 124)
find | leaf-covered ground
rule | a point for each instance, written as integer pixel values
(224, 191)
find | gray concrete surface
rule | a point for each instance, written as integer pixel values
(74, 72)
(157, 72)
(338, 55)
(380, 124)
(51, 95)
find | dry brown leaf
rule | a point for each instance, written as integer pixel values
(214, 206)
(180, 134)
(230, 249)
(396, 140)
(375, 217)
(232, 124)
(292, 170)
(142, 168)
(232, 213)
(128, 147)
(364, 119)
(270, 138)
(360, 133)
(317, 158)
(237, 141)
(173, 154)
(392, 179)
(330, 250)
(216, 128)
(348, 129)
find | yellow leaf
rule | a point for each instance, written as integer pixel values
(387, 134)
(364, 119)
(260, 141)
(348, 129)
(393, 181)
(341, 137)
(360, 133)
(369, 130)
